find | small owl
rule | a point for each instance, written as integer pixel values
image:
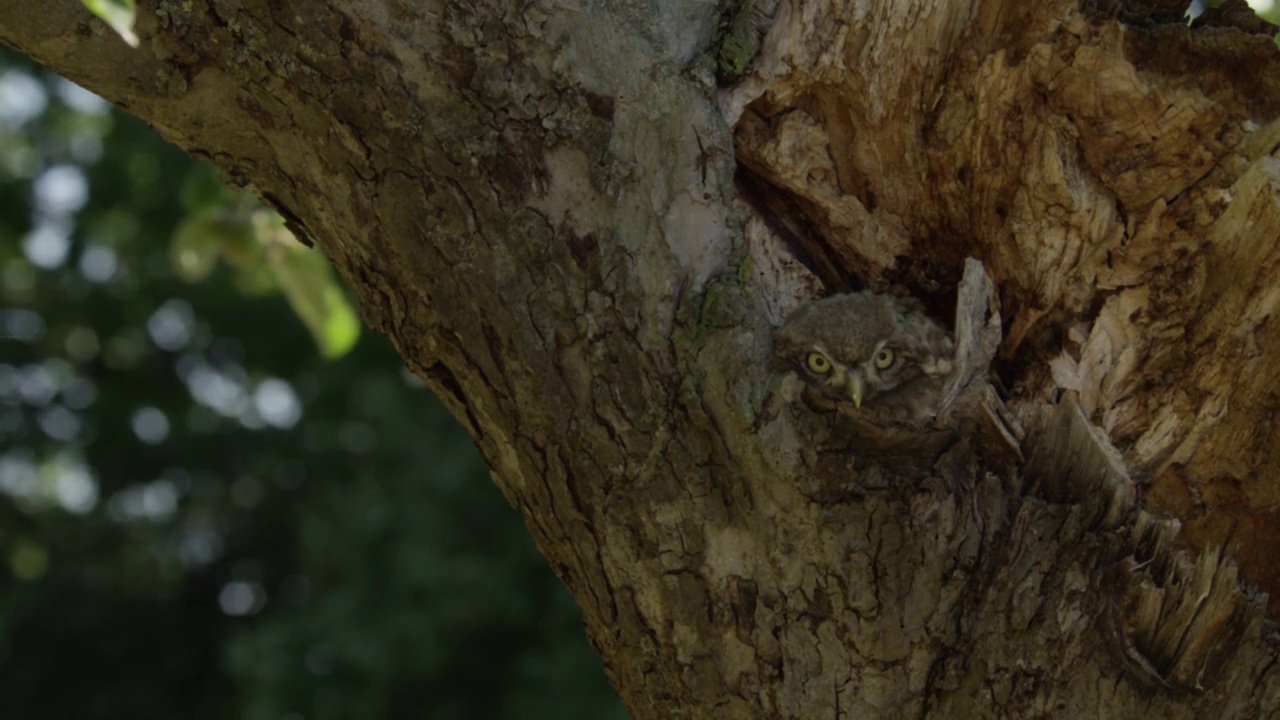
(881, 353)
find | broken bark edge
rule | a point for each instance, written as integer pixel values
(1177, 623)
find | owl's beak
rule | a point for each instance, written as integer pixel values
(856, 388)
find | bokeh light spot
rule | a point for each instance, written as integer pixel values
(61, 190)
(155, 501)
(21, 324)
(37, 384)
(171, 325)
(98, 263)
(81, 343)
(276, 403)
(150, 424)
(200, 545)
(239, 598)
(22, 98)
(18, 475)
(59, 423)
(47, 245)
(75, 488)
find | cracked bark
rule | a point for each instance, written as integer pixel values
(539, 207)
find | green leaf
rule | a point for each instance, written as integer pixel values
(307, 281)
(202, 238)
(119, 14)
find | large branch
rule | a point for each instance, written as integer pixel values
(539, 208)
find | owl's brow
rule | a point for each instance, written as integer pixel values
(876, 350)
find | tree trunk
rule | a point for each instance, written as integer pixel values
(583, 241)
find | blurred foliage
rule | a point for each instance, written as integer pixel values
(201, 516)
(265, 256)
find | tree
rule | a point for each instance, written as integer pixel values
(582, 243)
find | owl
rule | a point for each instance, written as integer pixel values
(880, 353)
(908, 387)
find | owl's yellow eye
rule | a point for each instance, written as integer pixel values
(884, 358)
(819, 363)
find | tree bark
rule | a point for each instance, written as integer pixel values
(583, 243)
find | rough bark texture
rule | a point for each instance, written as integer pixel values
(583, 244)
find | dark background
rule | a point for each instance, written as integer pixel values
(203, 517)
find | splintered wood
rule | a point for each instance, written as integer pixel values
(1120, 188)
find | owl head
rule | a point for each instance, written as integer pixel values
(872, 350)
